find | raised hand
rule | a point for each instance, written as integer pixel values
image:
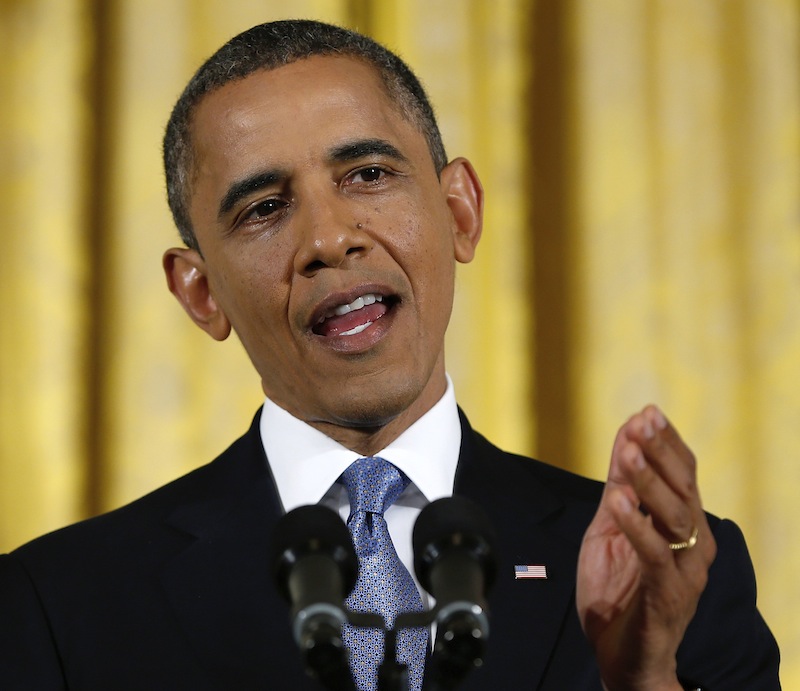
(645, 557)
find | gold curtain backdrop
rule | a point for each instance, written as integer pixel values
(642, 243)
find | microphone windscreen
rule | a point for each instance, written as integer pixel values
(453, 523)
(312, 530)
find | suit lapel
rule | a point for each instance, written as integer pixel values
(534, 527)
(220, 587)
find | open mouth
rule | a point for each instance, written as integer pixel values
(354, 317)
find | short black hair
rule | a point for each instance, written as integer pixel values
(272, 45)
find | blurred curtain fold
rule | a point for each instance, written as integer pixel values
(642, 243)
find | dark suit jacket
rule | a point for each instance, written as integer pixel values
(174, 591)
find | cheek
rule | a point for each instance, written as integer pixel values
(427, 259)
(418, 230)
(253, 292)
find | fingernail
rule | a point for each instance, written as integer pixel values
(659, 419)
(623, 504)
(647, 429)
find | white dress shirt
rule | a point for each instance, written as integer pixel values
(306, 465)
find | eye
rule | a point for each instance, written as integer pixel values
(263, 209)
(368, 174)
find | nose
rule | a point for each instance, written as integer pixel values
(328, 235)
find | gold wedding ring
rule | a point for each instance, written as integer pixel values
(688, 544)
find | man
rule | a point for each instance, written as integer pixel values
(322, 224)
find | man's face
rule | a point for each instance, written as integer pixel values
(328, 242)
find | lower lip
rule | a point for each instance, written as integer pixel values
(363, 340)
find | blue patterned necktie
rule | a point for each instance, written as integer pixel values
(384, 584)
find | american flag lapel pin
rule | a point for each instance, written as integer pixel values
(530, 571)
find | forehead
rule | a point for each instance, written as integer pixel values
(291, 109)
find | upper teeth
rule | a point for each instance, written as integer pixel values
(357, 304)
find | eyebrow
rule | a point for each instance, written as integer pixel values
(252, 183)
(365, 147)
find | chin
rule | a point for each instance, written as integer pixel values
(377, 411)
(366, 416)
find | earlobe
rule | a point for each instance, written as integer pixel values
(465, 199)
(187, 280)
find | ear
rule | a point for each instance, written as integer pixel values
(465, 198)
(188, 282)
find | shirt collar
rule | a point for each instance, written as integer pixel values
(305, 463)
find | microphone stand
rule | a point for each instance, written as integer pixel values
(392, 675)
(323, 650)
(459, 647)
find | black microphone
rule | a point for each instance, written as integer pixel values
(454, 559)
(315, 568)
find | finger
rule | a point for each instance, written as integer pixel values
(624, 436)
(660, 564)
(638, 528)
(648, 424)
(671, 515)
(655, 470)
(672, 579)
(666, 453)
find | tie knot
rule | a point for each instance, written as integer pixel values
(373, 484)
